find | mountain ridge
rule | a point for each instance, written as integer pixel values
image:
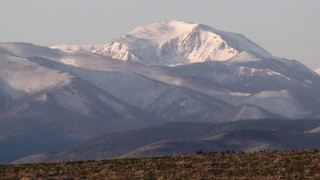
(81, 94)
(189, 137)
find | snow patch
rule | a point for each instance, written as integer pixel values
(75, 48)
(308, 81)
(240, 94)
(244, 56)
(42, 98)
(315, 130)
(69, 61)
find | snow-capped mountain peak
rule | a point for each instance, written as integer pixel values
(160, 32)
(177, 42)
(71, 95)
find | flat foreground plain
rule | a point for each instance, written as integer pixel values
(259, 165)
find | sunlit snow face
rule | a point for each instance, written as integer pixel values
(172, 43)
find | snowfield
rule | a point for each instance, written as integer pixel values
(177, 42)
(75, 48)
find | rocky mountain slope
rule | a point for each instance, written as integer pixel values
(161, 72)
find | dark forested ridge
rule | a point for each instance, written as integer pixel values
(187, 138)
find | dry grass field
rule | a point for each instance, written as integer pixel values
(259, 165)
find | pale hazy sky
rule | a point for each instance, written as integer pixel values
(285, 28)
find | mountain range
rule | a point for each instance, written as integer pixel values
(163, 72)
(189, 138)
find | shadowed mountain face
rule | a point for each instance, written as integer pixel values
(157, 73)
(188, 138)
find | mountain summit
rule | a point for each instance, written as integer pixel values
(178, 42)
